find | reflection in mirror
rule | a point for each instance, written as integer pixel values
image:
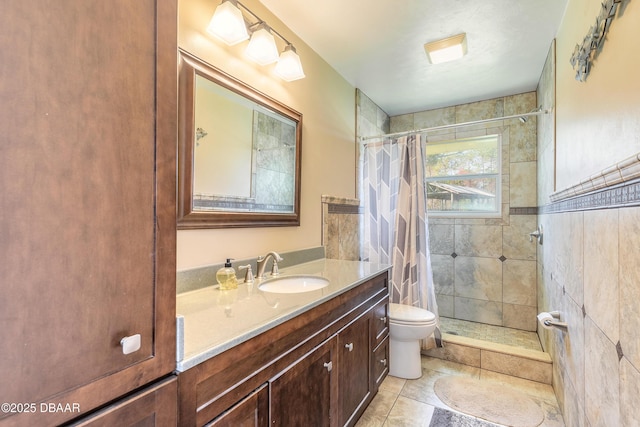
(239, 153)
(250, 164)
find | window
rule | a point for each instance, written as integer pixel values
(463, 177)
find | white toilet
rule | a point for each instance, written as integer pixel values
(407, 326)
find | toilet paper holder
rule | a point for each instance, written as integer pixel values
(557, 324)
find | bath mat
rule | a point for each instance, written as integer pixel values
(493, 402)
(445, 418)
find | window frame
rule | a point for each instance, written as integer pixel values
(451, 138)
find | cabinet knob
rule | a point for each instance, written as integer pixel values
(349, 346)
(329, 366)
(384, 362)
(130, 344)
(383, 319)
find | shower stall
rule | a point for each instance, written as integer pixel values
(484, 268)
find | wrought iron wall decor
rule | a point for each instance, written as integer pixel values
(200, 133)
(591, 46)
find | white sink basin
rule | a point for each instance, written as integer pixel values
(293, 284)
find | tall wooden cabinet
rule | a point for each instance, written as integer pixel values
(87, 204)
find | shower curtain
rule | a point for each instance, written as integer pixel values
(395, 227)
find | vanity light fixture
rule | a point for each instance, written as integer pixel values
(289, 67)
(445, 50)
(262, 46)
(229, 25)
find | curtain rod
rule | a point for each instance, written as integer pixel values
(456, 125)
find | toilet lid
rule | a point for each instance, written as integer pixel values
(406, 313)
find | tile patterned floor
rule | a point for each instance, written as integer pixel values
(491, 333)
(410, 403)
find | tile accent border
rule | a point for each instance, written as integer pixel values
(614, 187)
(343, 209)
(341, 205)
(621, 173)
(340, 200)
(213, 202)
(621, 195)
(523, 211)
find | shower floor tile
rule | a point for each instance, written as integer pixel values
(491, 333)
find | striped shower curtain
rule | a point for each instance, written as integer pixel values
(395, 227)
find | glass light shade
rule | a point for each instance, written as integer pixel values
(448, 49)
(262, 46)
(227, 24)
(289, 67)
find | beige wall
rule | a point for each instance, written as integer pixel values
(589, 265)
(327, 103)
(222, 169)
(598, 121)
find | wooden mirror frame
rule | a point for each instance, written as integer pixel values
(187, 218)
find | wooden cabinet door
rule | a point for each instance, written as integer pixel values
(252, 411)
(354, 354)
(306, 393)
(155, 406)
(87, 212)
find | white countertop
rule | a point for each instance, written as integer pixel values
(216, 320)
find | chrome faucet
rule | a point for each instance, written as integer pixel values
(262, 263)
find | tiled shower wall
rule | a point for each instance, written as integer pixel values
(371, 119)
(274, 169)
(589, 270)
(485, 268)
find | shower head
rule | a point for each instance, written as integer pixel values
(523, 119)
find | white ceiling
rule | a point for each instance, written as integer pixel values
(378, 46)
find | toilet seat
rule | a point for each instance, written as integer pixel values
(401, 314)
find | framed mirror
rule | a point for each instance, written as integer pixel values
(238, 152)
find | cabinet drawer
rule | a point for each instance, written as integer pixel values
(153, 406)
(381, 362)
(380, 322)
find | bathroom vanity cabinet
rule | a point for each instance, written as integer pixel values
(319, 368)
(88, 211)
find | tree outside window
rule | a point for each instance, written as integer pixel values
(463, 177)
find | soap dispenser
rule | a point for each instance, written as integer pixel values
(226, 276)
